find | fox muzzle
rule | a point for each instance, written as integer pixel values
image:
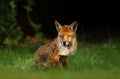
(66, 43)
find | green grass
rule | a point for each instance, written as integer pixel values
(88, 74)
(91, 61)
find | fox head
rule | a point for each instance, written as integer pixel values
(66, 33)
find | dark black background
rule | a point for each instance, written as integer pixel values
(96, 19)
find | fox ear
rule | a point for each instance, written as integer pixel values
(74, 25)
(58, 25)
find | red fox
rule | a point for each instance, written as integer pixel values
(60, 49)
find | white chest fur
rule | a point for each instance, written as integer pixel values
(65, 51)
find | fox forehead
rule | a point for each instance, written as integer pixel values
(66, 30)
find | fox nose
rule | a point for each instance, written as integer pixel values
(67, 43)
(64, 43)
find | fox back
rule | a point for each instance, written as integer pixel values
(60, 49)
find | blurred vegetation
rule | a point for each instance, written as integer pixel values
(10, 32)
(91, 61)
(88, 56)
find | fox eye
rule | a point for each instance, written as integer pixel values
(61, 36)
(70, 36)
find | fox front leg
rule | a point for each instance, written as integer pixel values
(64, 60)
(56, 61)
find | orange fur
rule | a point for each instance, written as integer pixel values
(60, 49)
